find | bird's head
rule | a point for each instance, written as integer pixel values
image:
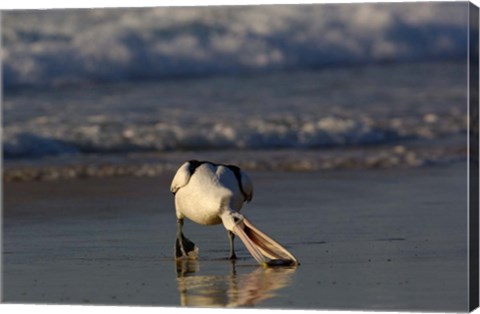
(264, 249)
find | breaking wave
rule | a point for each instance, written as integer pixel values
(44, 48)
(37, 140)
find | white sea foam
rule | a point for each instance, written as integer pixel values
(39, 139)
(296, 110)
(70, 46)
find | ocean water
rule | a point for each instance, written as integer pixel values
(301, 87)
(297, 116)
(55, 47)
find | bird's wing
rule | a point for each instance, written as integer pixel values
(181, 178)
(247, 186)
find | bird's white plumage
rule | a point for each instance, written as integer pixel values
(211, 192)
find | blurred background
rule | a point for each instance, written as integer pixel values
(106, 92)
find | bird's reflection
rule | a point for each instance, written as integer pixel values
(229, 290)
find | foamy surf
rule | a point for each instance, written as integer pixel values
(57, 47)
(109, 92)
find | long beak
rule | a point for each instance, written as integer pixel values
(264, 249)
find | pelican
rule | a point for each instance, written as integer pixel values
(208, 194)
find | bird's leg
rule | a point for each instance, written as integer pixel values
(179, 249)
(183, 246)
(231, 236)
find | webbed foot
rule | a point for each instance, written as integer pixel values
(184, 248)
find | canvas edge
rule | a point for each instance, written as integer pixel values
(473, 156)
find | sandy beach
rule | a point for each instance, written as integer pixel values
(373, 240)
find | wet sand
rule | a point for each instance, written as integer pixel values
(372, 240)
